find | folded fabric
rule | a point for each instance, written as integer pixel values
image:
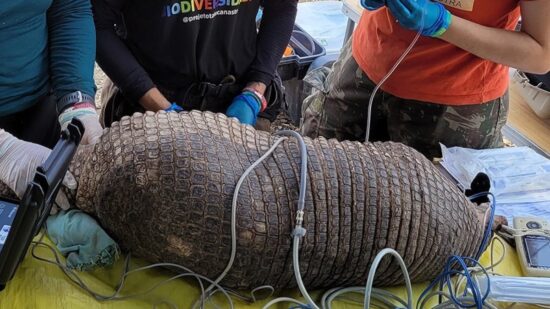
(81, 240)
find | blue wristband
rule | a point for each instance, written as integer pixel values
(446, 23)
(174, 108)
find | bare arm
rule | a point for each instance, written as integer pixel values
(154, 100)
(527, 50)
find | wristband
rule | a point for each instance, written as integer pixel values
(72, 98)
(441, 24)
(446, 22)
(76, 111)
(263, 101)
(82, 105)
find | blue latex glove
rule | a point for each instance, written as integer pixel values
(174, 108)
(372, 5)
(245, 107)
(432, 18)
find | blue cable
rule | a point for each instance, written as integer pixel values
(469, 283)
(487, 234)
(475, 262)
(429, 288)
(446, 277)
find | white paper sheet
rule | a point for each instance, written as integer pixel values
(520, 177)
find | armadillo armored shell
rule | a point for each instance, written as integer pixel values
(162, 185)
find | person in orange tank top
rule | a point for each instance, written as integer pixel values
(450, 89)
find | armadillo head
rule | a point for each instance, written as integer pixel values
(483, 213)
(82, 155)
(6, 192)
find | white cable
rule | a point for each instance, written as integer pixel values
(390, 72)
(324, 301)
(74, 278)
(281, 300)
(234, 211)
(386, 298)
(383, 80)
(381, 295)
(297, 274)
(252, 298)
(299, 231)
(372, 273)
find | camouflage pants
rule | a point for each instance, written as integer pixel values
(337, 108)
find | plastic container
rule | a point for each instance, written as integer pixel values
(525, 290)
(306, 50)
(325, 22)
(292, 70)
(537, 98)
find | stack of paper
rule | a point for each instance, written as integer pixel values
(520, 177)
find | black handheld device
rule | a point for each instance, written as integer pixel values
(21, 220)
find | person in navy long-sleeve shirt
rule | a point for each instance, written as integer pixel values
(192, 54)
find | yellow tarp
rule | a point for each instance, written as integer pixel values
(41, 285)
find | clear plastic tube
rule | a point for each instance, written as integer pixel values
(527, 290)
(384, 79)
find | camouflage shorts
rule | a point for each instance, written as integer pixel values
(337, 108)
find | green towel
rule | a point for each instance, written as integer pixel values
(81, 240)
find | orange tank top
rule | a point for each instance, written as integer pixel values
(434, 71)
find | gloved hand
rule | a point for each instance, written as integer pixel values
(18, 163)
(372, 5)
(87, 114)
(174, 108)
(432, 18)
(245, 107)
